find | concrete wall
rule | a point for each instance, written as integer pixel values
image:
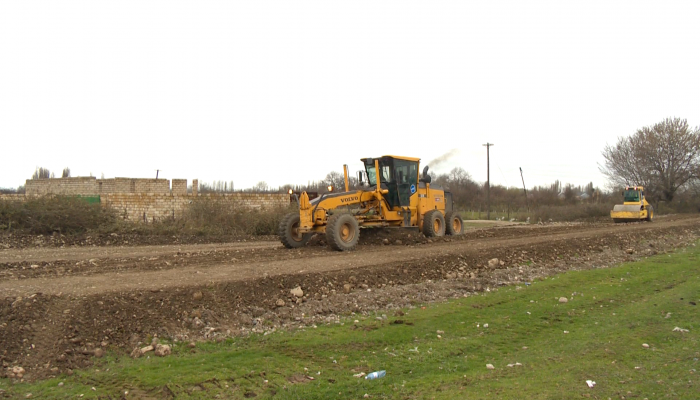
(90, 186)
(143, 199)
(67, 186)
(161, 186)
(179, 187)
(12, 197)
(147, 207)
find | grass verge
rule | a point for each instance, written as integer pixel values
(598, 334)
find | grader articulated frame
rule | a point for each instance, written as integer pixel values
(397, 196)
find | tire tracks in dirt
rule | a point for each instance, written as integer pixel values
(83, 253)
(202, 273)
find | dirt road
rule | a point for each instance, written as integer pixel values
(60, 304)
(160, 267)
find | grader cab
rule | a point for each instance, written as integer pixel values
(396, 196)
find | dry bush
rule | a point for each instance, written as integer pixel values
(574, 212)
(213, 217)
(49, 214)
(71, 215)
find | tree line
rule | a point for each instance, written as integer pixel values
(663, 157)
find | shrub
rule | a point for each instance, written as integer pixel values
(207, 216)
(49, 214)
(572, 212)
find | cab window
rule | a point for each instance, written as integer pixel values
(371, 174)
(406, 172)
(631, 195)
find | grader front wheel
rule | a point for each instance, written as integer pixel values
(433, 224)
(289, 233)
(342, 232)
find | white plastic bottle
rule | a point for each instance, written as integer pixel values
(376, 374)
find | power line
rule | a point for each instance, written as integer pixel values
(524, 189)
(488, 181)
(502, 174)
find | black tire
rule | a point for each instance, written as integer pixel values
(433, 224)
(454, 224)
(650, 214)
(342, 232)
(288, 233)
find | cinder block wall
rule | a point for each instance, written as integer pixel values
(161, 186)
(179, 187)
(67, 186)
(144, 199)
(92, 186)
(12, 197)
(147, 207)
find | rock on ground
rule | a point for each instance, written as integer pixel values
(162, 350)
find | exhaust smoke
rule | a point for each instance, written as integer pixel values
(442, 159)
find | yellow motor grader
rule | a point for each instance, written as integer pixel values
(397, 196)
(635, 206)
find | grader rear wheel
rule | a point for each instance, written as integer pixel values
(342, 232)
(289, 232)
(454, 224)
(433, 224)
(650, 214)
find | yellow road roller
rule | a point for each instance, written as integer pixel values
(635, 206)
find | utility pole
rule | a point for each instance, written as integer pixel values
(157, 171)
(488, 181)
(524, 190)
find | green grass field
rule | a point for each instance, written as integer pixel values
(597, 335)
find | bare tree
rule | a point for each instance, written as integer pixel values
(260, 187)
(41, 173)
(663, 158)
(335, 179)
(459, 176)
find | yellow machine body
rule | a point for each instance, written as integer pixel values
(401, 199)
(635, 206)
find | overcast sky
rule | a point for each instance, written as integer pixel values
(287, 91)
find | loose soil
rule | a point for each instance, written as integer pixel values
(59, 304)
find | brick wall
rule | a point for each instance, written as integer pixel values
(12, 197)
(67, 186)
(161, 186)
(150, 206)
(179, 187)
(91, 186)
(143, 199)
